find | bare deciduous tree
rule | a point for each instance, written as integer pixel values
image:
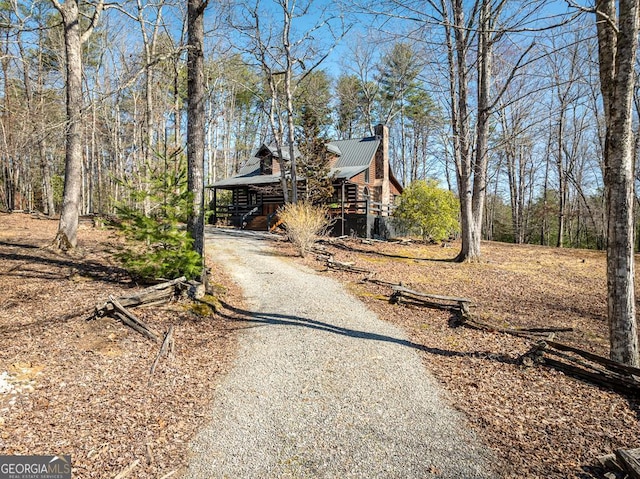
(74, 37)
(617, 45)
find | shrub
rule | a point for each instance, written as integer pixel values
(304, 223)
(159, 246)
(428, 210)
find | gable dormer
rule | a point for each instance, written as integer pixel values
(265, 155)
(266, 165)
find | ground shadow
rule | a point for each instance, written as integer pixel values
(389, 255)
(19, 245)
(274, 319)
(90, 269)
(44, 324)
(259, 235)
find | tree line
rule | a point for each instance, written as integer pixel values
(544, 141)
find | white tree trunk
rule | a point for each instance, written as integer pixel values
(617, 55)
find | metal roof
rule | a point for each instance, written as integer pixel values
(250, 168)
(274, 151)
(346, 173)
(246, 180)
(356, 153)
(355, 156)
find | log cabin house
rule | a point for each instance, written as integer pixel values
(365, 188)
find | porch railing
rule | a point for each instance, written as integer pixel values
(363, 207)
(227, 212)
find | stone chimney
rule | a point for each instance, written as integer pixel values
(382, 132)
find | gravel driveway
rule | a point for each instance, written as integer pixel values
(322, 388)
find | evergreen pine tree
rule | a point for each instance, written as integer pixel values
(159, 245)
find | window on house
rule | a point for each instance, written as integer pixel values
(267, 165)
(367, 178)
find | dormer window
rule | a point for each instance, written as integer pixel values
(266, 165)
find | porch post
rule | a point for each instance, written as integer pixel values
(215, 206)
(342, 207)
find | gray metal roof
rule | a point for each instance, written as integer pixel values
(250, 168)
(347, 172)
(333, 149)
(355, 156)
(274, 151)
(246, 180)
(356, 153)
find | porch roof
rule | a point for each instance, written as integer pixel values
(246, 181)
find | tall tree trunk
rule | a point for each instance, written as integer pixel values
(195, 121)
(47, 188)
(456, 55)
(66, 237)
(617, 55)
(482, 126)
(286, 42)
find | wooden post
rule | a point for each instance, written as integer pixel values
(342, 208)
(215, 206)
(369, 220)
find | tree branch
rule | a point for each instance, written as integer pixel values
(94, 21)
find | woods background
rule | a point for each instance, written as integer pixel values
(353, 65)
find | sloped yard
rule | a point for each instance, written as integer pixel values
(72, 386)
(539, 422)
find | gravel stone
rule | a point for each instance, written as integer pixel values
(322, 388)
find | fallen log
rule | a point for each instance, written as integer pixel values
(606, 362)
(401, 291)
(629, 459)
(156, 294)
(601, 378)
(404, 295)
(586, 366)
(338, 265)
(610, 463)
(128, 318)
(520, 332)
(166, 349)
(448, 303)
(371, 279)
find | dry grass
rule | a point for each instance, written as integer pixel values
(304, 223)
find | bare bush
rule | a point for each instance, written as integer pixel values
(304, 223)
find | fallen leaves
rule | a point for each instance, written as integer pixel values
(539, 422)
(93, 397)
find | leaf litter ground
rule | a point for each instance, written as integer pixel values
(72, 386)
(68, 385)
(539, 422)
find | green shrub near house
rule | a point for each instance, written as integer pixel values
(427, 210)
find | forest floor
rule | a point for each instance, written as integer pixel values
(68, 385)
(79, 387)
(539, 422)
